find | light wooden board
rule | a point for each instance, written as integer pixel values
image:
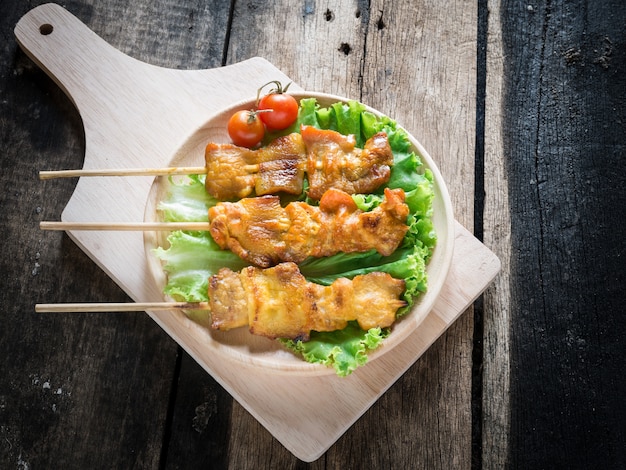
(132, 117)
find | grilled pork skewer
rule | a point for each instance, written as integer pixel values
(280, 303)
(262, 232)
(330, 159)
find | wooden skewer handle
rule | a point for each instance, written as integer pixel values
(189, 170)
(120, 307)
(125, 226)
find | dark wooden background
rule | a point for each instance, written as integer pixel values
(534, 94)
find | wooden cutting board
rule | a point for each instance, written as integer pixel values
(138, 115)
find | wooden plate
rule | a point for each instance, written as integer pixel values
(239, 344)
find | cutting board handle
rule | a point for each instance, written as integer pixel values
(67, 50)
(128, 107)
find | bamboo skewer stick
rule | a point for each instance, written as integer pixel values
(125, 226)
(189, 170)
(120, 307)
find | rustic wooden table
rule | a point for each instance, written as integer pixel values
(522, 105)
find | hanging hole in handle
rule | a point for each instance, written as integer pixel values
(46, 29)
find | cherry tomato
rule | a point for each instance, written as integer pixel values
(246, 129)
(284, 110)
(281, 109)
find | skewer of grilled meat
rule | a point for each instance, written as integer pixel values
(279, 302)
(330, 159)
(262, 232)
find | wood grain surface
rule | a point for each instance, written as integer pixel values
(564, 139)
(521, 104)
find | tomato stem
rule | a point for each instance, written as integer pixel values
(278, 90)
(253, 113)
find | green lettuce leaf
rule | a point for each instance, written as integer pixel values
(186, 200)
(344, 350)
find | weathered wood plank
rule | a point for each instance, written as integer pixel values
(319, 44)
(563, 148)
(427, 81)
(495, 419)
(198, 436)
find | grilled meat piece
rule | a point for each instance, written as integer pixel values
(234, 172)
(252, 228)
(333, 161)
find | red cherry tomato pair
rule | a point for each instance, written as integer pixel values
(275, 111)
